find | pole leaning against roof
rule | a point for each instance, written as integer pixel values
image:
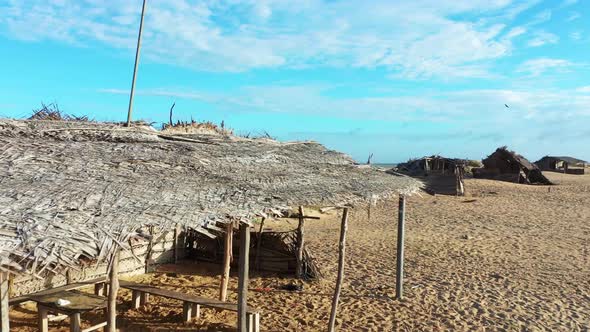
(342, 247)
(137, 52)
(399, 273)
(4, 301)
(243, 277)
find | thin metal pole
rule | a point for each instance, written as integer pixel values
(340, 277)
(399, 276)
(243, 277)
(136, 63)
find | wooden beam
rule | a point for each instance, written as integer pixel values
(113, 289)
(259, 244)
(341, 247)
(229, 227)
(399, 273)
(300, 243)
(4, 307)
(243, 277)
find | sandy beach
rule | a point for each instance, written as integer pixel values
(506, 257)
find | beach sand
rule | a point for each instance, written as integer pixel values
(506, 257)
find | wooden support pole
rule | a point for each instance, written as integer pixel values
(399, 273)
(176, 236)
(75, 322)
(4, 307)
(243, 277)
(259, 244)
(341, 247)
(112, 298)
(137, 52)
(229, 229)
(300, 243)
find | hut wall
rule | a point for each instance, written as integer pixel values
(162, 252)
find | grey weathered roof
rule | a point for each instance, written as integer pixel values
(70, 191)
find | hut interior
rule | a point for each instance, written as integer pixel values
(506, 165)
(88, 201)
(440, 175)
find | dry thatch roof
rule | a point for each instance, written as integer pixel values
(71, 192)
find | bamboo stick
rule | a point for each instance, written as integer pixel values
(341, 247)
(226, 261)
(112, 298)
(243, 277)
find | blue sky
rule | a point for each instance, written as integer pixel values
(397, 79)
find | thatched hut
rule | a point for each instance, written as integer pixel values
(506, 165)
(568, 165)
(439, 174)
(78, 198)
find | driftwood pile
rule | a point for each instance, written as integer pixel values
(73, 192)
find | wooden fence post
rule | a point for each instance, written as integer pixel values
(113, 289)
(4, 307)
(243, 277)
(226, 261)
(300, 243)
(399, 273)
(341, 247)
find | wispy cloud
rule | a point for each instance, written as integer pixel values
(443, 107)
(539, 66)
(573, 16)
(542, 38)
(408, 39)
(584, 89)
(576, 35)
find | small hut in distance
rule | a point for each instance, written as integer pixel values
(567, 165)
(439, 174)
(506, 165)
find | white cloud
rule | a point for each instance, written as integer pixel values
(539, 105)
(539, 66)
(584, 89)
(573, 16)
(576, 35)
(515, 32)
(542, 38)
(411, 39)
(566, 3)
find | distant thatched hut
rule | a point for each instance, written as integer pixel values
(506, 165)
(439, 174)
(76, 198)
(566, 165)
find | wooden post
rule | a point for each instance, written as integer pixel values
(226, 261)
(399, 273)
(4, 307)
(300, 244)
(259, 244)
(137, 52)
(112, 298)
(176, 235)
(243, 277)
(341, 247)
